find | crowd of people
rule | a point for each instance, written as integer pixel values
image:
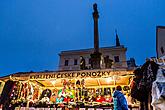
(147, 87)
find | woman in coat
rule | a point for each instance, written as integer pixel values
(119, 100)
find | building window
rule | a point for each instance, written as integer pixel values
(89, 61)
(75, 61)
(116, 58)
(66, 62)
(162, 50)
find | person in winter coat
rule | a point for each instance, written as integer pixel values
(119, 100)
(158, 91)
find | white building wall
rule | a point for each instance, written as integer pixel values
(106, 51)
(160, 41)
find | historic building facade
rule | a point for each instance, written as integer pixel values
(160, 41)
(70, 60)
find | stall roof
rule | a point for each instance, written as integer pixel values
(93, 78)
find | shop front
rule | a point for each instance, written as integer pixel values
(69, 89)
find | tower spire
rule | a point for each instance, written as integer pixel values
(117, 39)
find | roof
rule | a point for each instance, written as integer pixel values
(95, 78)
(89, 50)
(160, 26)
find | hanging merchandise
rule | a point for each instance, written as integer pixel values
(84, 92)
(78, 89)
(5, 96)
(31, 91)
(136, 92)
(149, 71)
(64, 82)
(54, 95)
(45, 96)
(14, 93)
(14, 99)
(70, 93)
(72, 83)
(78, 82)
(158, 91)
(82, 82)
(67, 93)
(68, 83)
(24, 90)
(126, 88)
(142, 83)
(46, 93)
(36, 93)
(59, 100)
(62, 92)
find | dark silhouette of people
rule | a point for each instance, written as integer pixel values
(108, 62)
(46, 93)
(82, 63)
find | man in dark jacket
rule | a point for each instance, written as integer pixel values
(119, 100)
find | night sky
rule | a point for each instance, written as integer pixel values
(33, 32)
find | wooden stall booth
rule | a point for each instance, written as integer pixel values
(68, 88)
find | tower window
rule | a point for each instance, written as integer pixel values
(66, 62)
(162, 50)
(116, 58)
(75, 61)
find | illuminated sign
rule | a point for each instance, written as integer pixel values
(82, 74)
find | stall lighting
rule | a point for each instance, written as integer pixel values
(116, 77)
(109, 79)
(53, 82)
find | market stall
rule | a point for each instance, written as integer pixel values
(71, 89)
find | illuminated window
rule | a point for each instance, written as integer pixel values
(66, 62)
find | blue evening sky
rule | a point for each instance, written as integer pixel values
(33, 32)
